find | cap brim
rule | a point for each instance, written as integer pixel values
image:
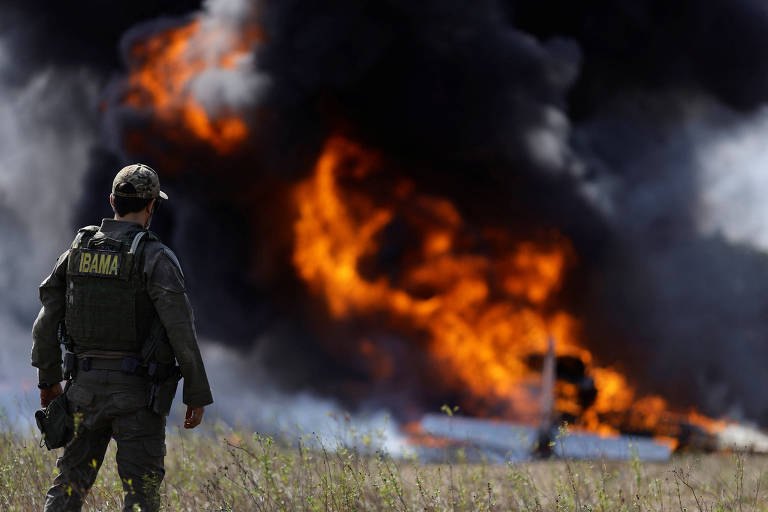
(163, 196)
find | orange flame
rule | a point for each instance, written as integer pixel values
(164, 67)
(483, 315)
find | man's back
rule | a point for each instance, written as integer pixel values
(119, 290)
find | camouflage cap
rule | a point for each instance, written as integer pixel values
(143, 178)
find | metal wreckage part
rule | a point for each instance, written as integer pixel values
(504, 441)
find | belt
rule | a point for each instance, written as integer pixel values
(89, 363)
(128, 365)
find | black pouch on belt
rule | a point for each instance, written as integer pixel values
(55, 423)
(70, 365)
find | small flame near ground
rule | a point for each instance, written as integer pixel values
(164, 68)
(483, 312)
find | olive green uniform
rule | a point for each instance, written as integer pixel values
(108, 402)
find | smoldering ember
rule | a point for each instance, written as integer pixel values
(537, 212)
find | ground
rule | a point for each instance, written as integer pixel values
(223, 469)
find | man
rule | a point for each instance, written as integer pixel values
(111, 292)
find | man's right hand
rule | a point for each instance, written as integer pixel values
(193, 417)
(48, 394)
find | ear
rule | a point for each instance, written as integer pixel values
(149, 206)
(112, 200)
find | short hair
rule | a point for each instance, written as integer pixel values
(125, 205)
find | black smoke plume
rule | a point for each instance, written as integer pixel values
(588, 118)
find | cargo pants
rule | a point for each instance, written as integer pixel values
(110, 404)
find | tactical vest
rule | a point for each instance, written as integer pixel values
(108, 307)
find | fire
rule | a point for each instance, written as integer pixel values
(417, 435)
(482, 313)
(164, 67)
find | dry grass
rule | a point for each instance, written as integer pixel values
(239, 471)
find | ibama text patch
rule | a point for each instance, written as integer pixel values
(99, 263)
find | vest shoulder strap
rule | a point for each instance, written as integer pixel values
(149, 235)
(142, 235)
(136, 241)
(174, 259)
(136, 250)
(86, 232)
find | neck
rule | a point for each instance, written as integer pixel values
(133, 217)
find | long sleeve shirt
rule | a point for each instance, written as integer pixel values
(164, 283)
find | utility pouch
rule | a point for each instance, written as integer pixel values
(69, 365)
(130, 365)
(56, 425)
(163, 392)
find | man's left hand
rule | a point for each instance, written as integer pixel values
(48, 394)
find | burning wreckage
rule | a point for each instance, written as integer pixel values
(499, 345)
(426, 297)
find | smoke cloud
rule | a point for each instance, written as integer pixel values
(47, 128)
(573, 121)
(676, 299)
(633, 128)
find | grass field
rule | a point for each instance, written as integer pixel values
(240, 471)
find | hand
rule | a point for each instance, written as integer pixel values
(48, 394)
(193, 417)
